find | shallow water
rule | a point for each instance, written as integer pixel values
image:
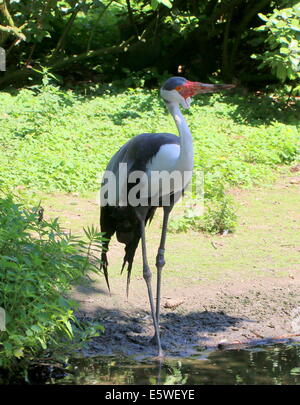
(276, 364)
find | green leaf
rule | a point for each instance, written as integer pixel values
(19, 352)
(166, 3)
(42, 342)
(154, 4)
(284, 50)
(29, 332)
(35, 328)
(295, 371)
(281, 72)
(263, 17)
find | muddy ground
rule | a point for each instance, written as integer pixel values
(217, 291)
(223, 315)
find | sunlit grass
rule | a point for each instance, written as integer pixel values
(53, 139)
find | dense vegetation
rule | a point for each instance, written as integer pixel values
(253, 42)
(39, 261)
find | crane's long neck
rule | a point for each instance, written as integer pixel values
(186, 158)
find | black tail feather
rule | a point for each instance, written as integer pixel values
(130, 250)
(104, 267)
(123, 222)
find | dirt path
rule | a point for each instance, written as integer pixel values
(217, 291)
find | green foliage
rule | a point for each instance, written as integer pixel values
(219, 217)
(283, 44)
(39, 261)
(155, 3)
(58, 140)
(189, 220)
(106, 40)
(175, 374)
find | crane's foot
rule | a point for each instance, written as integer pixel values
(153, 340)
(160, 356)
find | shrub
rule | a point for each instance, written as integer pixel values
(219, 217)
(39, 261)
(283, 43)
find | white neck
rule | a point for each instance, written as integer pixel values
(185, 160)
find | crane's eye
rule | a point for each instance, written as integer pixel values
(184, 91)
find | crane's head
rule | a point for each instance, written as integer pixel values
(180, 90)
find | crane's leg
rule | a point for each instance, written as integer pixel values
(160, 261)
(147, 277)
(160, 258)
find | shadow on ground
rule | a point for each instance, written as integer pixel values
(181, 334)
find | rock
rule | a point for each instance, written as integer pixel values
(173, 303)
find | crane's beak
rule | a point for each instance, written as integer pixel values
(190, 89)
